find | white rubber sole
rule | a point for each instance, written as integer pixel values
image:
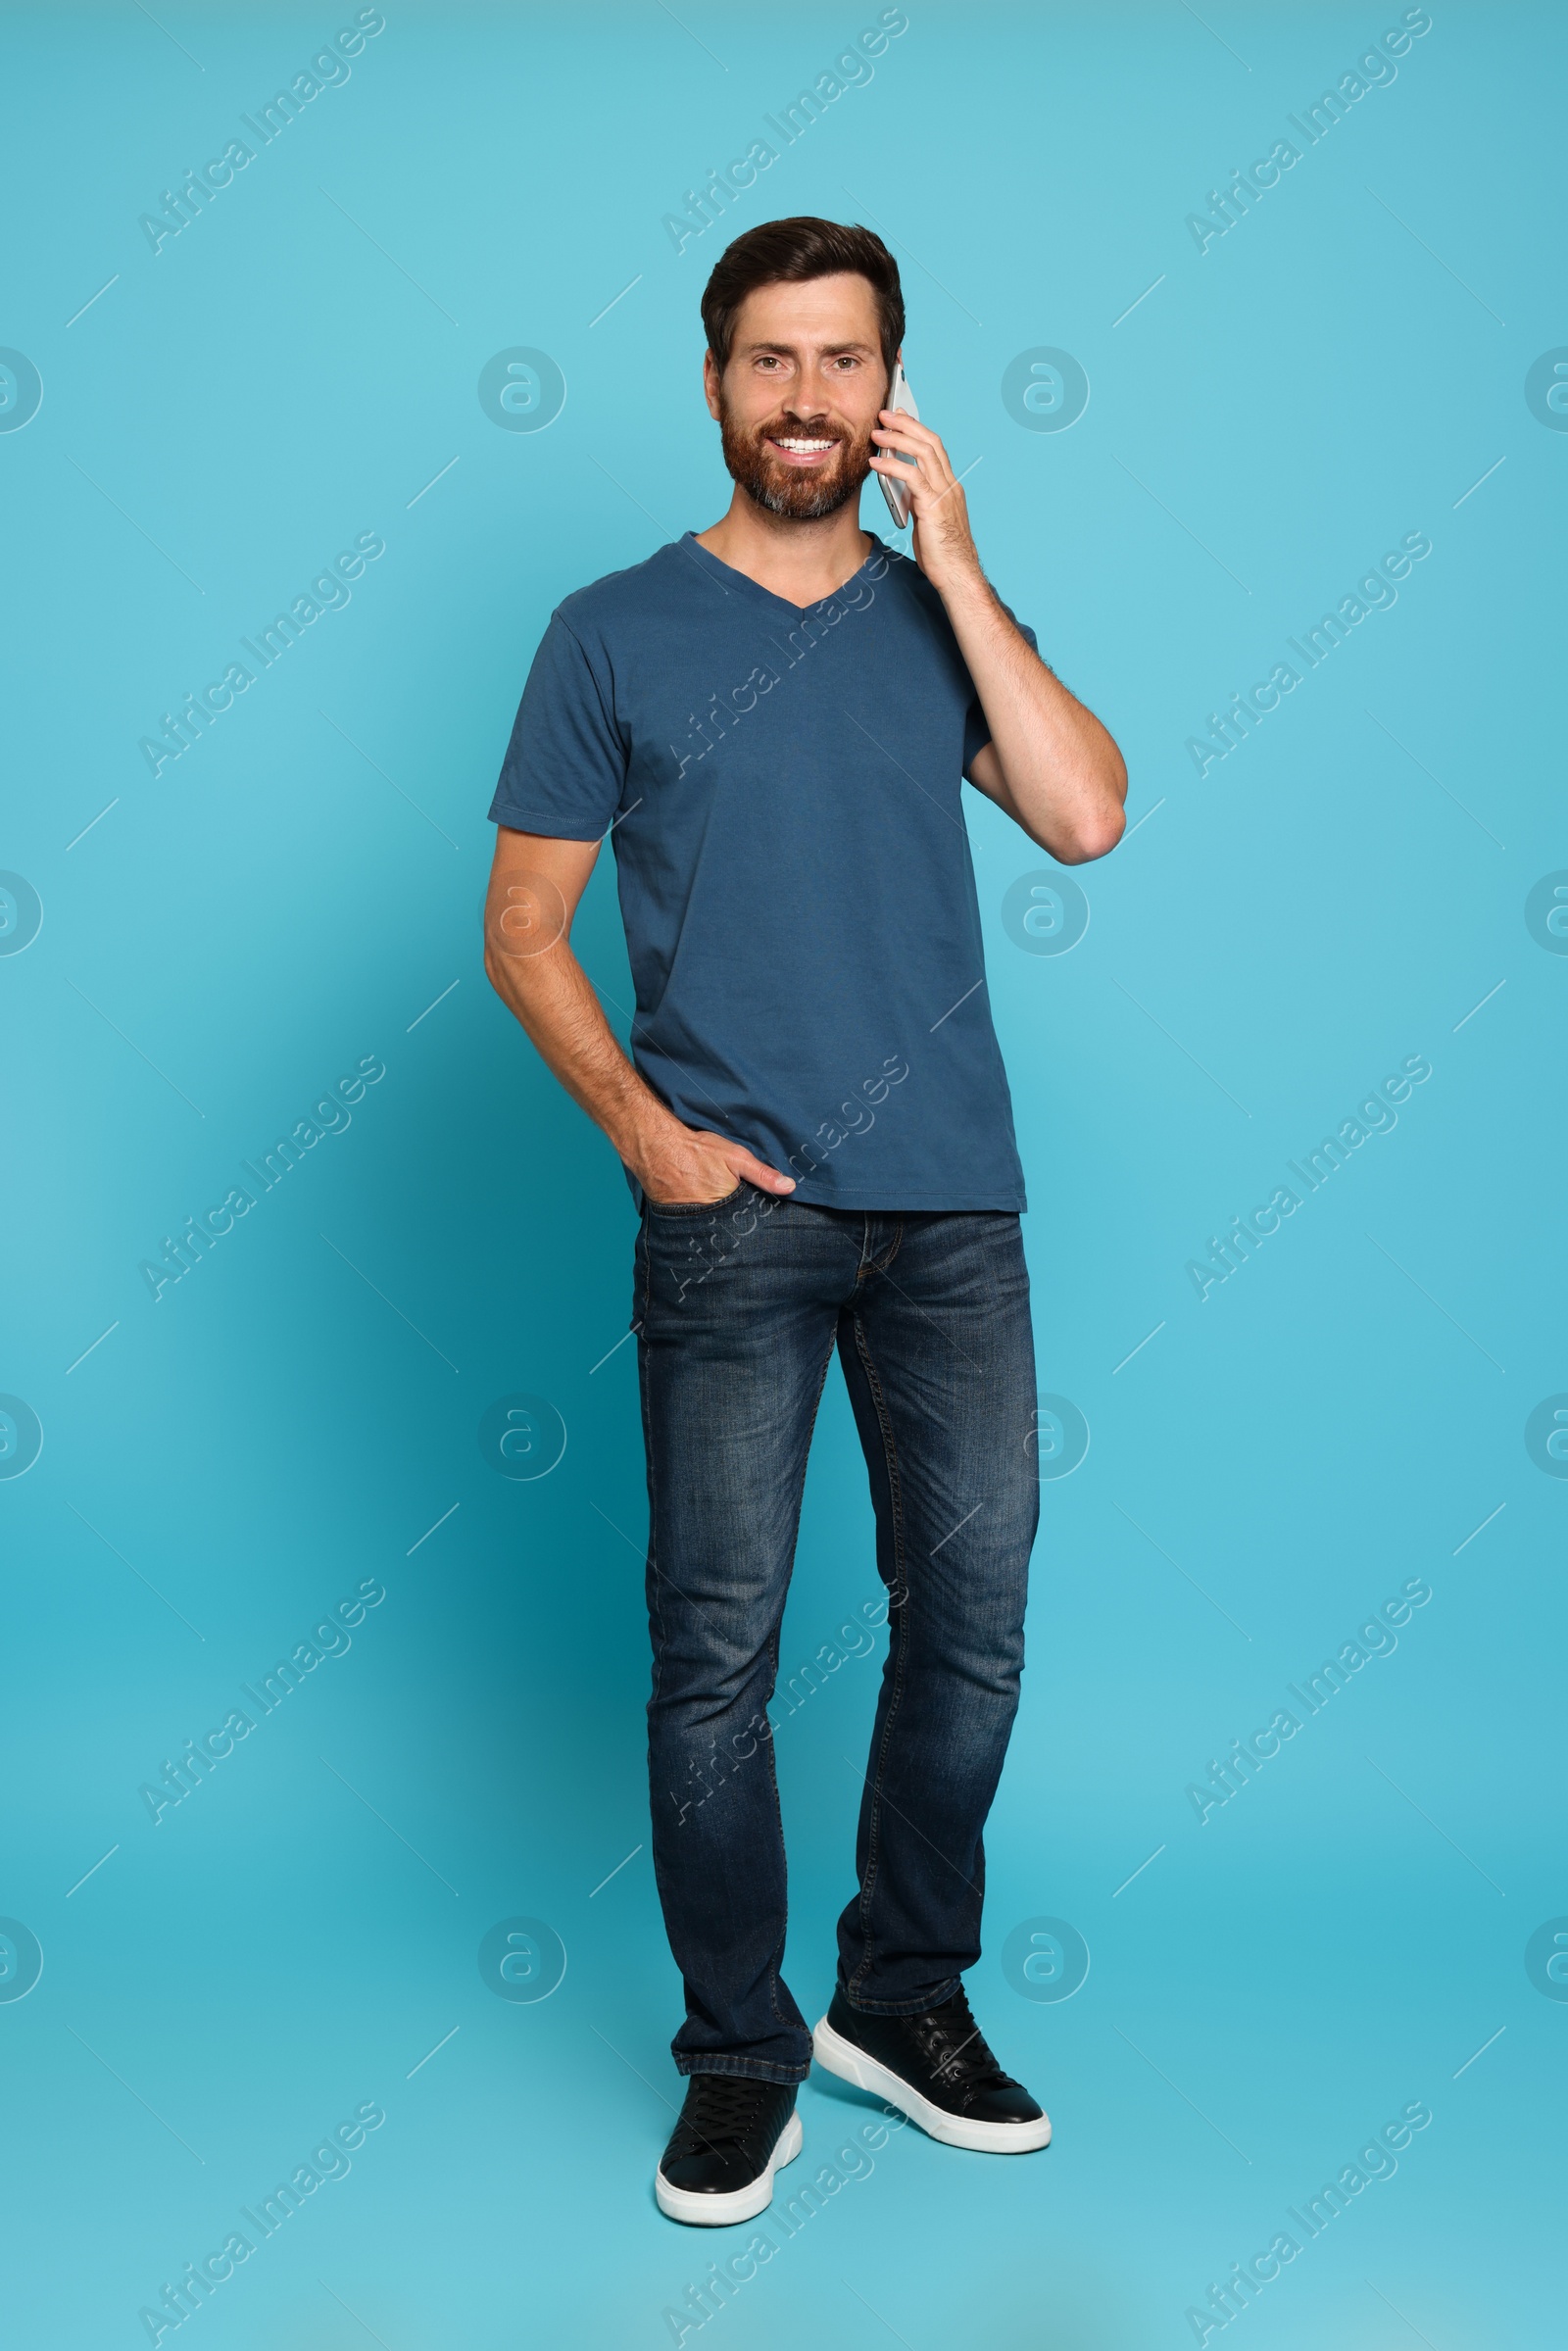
(851, 2064)
(722, 2212)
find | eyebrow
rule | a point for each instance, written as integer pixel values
(828, 350)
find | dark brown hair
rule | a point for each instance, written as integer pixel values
(788, 253)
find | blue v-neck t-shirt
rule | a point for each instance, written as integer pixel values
(782, 791)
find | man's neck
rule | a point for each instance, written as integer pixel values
(801, 561)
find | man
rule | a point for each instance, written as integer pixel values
(769, 719)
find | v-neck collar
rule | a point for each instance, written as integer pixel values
(735, 582)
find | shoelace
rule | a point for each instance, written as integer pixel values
(723, 2109)
(955, 2045)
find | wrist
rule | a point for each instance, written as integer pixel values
(960, 580)
(638, 1133)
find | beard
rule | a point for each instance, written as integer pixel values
(782, 489)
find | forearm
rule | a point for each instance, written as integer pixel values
(535, 884)
(1050, 764)
(556, 1004)
(1062, 774)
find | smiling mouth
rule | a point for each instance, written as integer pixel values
(801, 448)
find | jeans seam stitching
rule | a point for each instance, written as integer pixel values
(896, 1503)
(774, 1646)
(698, 1207)
(653, 1508)
(776, 1953)
(760, 2069)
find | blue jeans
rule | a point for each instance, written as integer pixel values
(739, 1307)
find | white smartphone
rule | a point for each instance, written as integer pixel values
(897, 496)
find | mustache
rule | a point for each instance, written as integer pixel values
(790, 428)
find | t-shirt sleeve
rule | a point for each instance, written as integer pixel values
(976, 725)
(565, 764)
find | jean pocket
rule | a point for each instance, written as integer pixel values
(695, 1207)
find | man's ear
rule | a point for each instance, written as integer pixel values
(710, 382)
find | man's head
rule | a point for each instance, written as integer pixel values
(805, 318)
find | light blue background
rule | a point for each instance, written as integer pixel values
(1268, 942)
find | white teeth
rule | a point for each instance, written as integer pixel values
(806, 448)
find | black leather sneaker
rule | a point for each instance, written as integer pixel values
(936, 2068)
(733, 2134)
